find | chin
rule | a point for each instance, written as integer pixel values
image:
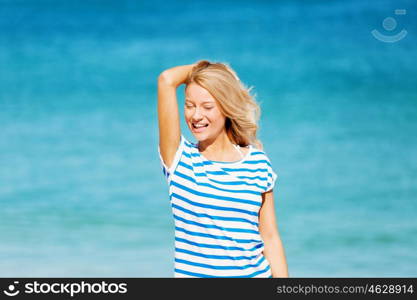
(200, 137)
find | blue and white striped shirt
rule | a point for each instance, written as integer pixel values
(215, 207)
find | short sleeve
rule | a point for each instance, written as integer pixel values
(169, 171)
(271, 177)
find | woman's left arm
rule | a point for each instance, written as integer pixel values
(273, 248)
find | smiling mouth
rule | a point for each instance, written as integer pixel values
(199, 128)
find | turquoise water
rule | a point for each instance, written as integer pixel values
(81, 189)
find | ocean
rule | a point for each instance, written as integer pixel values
(82, 192)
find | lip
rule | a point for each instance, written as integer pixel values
(198, 130)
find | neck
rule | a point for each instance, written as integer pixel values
(219, 144)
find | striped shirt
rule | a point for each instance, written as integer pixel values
(215, 207)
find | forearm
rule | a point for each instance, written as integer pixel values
(175, 76)
(275, 254)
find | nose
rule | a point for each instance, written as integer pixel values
(197, 116)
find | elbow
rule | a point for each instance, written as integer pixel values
(271, 236)
(164, 79)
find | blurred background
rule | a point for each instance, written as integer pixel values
(81, 188)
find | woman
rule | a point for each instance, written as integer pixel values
(220, 188)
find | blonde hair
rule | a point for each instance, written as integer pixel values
(240, 108)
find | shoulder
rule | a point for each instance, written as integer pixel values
(188, 146)
(256, 151)
(261, 156)
(186, 141)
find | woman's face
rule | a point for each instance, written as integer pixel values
(202, 109)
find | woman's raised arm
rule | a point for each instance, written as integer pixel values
(168, 114)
